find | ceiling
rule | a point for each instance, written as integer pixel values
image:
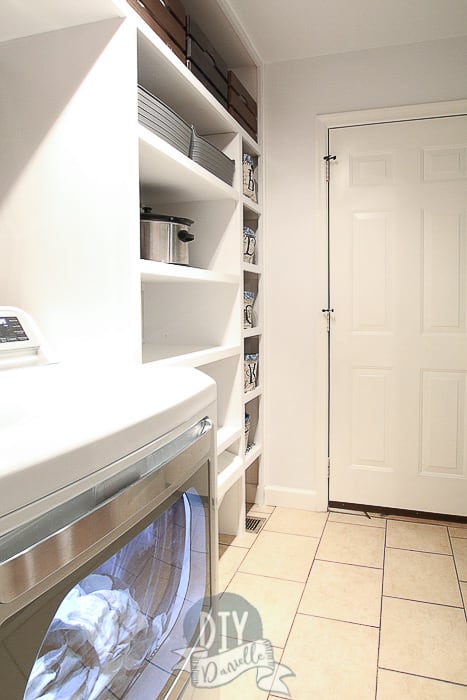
(277, 30)
(295, 29)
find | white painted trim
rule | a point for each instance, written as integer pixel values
(323, 122)
(321, 342)
(294, 498)
(395, 114)
(241, 32)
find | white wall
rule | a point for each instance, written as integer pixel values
(69, 189)
(294, 93)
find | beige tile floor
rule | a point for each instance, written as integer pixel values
(357, 608)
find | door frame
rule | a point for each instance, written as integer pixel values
(323, 123)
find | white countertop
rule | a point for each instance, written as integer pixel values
(59, 425)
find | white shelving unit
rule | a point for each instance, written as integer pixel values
(174, 175)
(152, 271)
(230, 471)
(251, 395)
(252, 332)
(84, 159)
(188, 356)
(249, 205)
(227, 435)
(253, 341)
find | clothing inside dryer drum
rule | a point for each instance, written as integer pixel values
(113, 624)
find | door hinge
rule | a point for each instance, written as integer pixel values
(327, 159)
(329, 467)
(328, 313)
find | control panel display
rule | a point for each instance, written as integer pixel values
(11, 330)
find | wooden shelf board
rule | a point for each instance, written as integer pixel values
(213, 18)
(159, 66)
(161, 72)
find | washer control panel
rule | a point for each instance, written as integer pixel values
(21, 342)
(11, 330)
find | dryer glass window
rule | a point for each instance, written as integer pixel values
(116, 632)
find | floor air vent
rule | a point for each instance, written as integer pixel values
(254, 525)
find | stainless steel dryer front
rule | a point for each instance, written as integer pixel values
(107, 525)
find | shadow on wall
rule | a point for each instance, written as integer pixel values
(38, 77)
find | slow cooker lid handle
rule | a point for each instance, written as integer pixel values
(185, 236)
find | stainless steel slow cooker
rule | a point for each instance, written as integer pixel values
(165, 238)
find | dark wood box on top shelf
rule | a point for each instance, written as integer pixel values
(242, 105)
(205, 63)
(167, 19)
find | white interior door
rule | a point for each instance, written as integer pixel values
(398, 365)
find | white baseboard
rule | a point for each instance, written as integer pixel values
(294, 498)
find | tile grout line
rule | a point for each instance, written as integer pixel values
(280, 532)
(344, 522)
(457, 574)
(381, 609)
(303, 591)
(346, 563)
(412, 520)
(364, 523)
(248, 549)
(235, 571)
(428, 521)
(293, 534)
(425, 602)
(273, 578)
(385, 547)
(418, 675)
(299, 601)
(270, 693)
(420, 551)
(313, 562)
(337, 619)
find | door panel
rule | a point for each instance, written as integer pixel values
(443, 272)
(443, 423)
(372, 426)
(398, 194)
(370, 283)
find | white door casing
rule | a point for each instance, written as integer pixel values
(398, 196)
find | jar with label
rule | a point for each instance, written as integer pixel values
(250, 181)
(249, 245)
(250, 371)
(248, 316)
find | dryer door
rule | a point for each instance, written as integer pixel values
(111, 628)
